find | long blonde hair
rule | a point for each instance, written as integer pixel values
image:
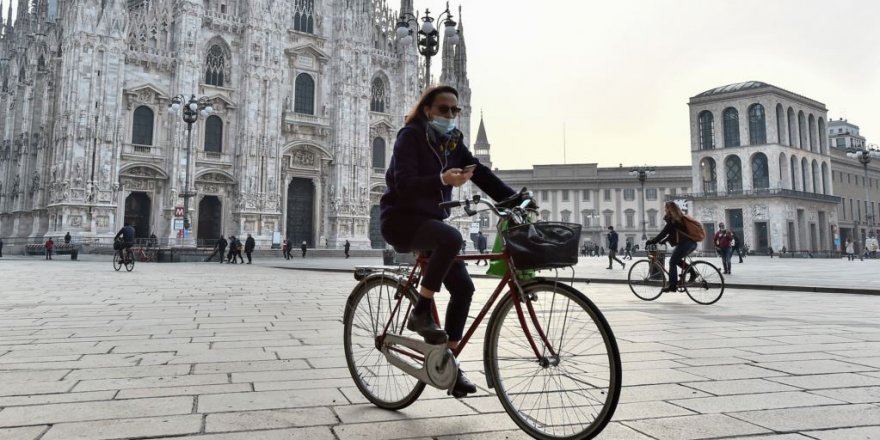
(427, 100)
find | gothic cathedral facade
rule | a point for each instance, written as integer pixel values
(307, 95)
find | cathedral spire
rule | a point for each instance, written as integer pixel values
(406, 7)
(481, 145)
(9, 29)
(461, 52)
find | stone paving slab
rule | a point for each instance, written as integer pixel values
(257, 355)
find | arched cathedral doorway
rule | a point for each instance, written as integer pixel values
(210, 218)
(300, 207)
(137, 213)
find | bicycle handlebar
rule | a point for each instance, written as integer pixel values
(500, 209)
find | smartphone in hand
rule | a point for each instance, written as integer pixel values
(469, 168)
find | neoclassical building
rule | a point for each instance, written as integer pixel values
(762, 165)
(308, 97)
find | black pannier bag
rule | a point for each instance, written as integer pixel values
(118, 244)
(543, 245)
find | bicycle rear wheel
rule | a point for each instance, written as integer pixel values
(569, 396)
(646, 279)
(708, 284)
(366, 314)
(129, 262)
(117, 261)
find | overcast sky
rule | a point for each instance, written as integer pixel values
(619, 74)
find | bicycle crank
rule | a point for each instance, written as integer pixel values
(440, 368)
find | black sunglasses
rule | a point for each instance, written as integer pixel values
(446, 109)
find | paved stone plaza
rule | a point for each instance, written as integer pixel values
(221, 352)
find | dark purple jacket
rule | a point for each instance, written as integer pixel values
(413, 185)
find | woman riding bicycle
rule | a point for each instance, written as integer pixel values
(675, 233)
(429, 159)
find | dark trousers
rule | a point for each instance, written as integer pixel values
(612, 256)
(248, 255)
(683, 249)
(443, 242)
(726, 254)
(48, 254)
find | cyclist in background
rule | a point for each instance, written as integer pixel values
(127, 234)
(675, 233)
(429, 159)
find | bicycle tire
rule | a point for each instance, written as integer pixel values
(645, 284)
(129, 262)
(370, 370)
(511, 364)
(708, 286)
(117, 261)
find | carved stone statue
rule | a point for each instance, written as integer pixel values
(35, 183)
(15, 183)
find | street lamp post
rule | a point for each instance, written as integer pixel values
(642, 173)
(189, 110)
(428, 36)
(864, 155)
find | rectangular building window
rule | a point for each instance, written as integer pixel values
(608, 219)
(606, 195)
(651, 194)
(586, 195)
(652, 219)
(565, 195)
(544, 195)
(629, 194)
(672, 191)
(630, 219)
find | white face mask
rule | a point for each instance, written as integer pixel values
(442, 125)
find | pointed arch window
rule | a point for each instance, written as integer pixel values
(731, 127)
(379, 154)
(213, 134)
(780, 123)
(215, 66)
(142, 126)
(733, 170)
(304, 16)
(757, 125)
(378, 96)
(707, 130)
(760, 172)
(304, 94)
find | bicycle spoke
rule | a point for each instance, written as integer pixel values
(572, 396)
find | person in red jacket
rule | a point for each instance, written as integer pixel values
(50, 246)
(724, 245)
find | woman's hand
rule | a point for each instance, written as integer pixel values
(456, 176)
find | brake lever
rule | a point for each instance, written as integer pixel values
(467, 208)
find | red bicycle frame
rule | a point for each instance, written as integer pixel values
(507, 280)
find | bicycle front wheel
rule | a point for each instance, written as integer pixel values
(366, 314)
(570, 395)
(646, 279)
(707, 285)
(129, 262)
(117, 261)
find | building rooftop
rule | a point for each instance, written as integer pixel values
(730, 88)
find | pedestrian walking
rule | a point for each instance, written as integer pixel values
(628, 250)
(233, 245)
(770, 251)
(724, 246)
(612, 249)
(871, 245)
(239, 247)
(303, 248)
(285, 250)
(67, 238)
(249, 245)
(347, 247)
(1, 248)
(155, 241)
(220, 248)
(481, 242)
(50, 246)
(850, 250)
(738, 246)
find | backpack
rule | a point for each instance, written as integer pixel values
(693, 229)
